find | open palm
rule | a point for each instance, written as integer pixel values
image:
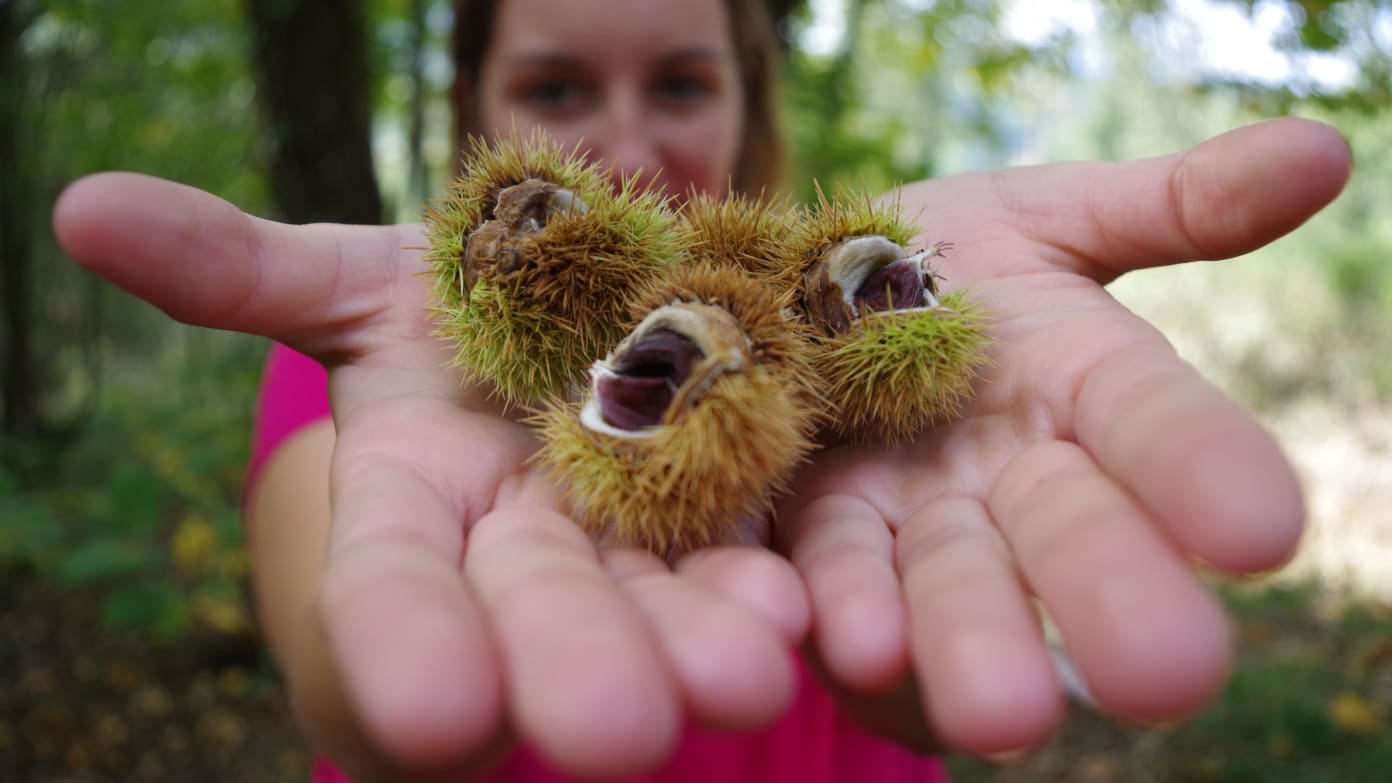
(1091, 469)
(459, 608)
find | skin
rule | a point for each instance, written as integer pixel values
(1094, 466)
(659, 93)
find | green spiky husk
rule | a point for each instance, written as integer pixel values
(493, 328)
(531, 332)
(722, 460)
(893, 374)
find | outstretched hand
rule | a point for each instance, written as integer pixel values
(458, 607)
(1093, 468)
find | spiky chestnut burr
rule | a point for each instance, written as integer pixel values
(694, 421)
(754, 234)
(534, 257)
(892, 354)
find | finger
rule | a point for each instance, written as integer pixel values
(1197, 461)
(843, 548)
(587, 681)
(205, 262)
(1150, 641)
(1224, 197)
(757, 579)
(412, 644)
(735, 671)
(316, 288)
(977, 648)
(414, 648)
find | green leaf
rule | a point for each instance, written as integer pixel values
(28, 533)
(105, 560)
(134, 497)
(1315, 36)
(157, 609)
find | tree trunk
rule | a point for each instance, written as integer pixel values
(311, 59)
(417, 188)
(21, 369)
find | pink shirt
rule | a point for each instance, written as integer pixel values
(812, 743)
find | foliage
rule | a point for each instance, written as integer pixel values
(908, 83)
(161, 88)
(412, 67)
(142, 506)
(1357, 31)
(164, 90)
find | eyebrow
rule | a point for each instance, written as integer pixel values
(544, 59)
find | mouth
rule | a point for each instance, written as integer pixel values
(662, 369)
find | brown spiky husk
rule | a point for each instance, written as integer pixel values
(532, 330)
(720, 461)
(755, 234)
(892, 374)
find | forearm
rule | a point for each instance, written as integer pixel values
(287, 522)
(287, 531)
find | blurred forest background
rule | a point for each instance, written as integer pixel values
(126, 645)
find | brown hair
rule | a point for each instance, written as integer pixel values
(759, 167)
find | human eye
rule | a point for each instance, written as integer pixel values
(551, 92)
(679, 90)
(554, 95)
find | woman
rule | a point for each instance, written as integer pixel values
(1093, 465)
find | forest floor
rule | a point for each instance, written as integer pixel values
(82, 704)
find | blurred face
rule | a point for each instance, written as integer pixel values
(643, 84)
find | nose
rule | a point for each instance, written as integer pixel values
(630, 143)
